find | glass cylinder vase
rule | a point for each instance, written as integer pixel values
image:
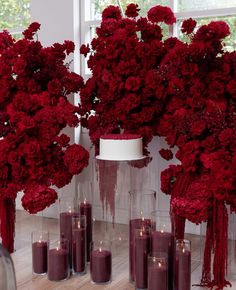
(67, 209)
(85, 202)
(58, 260)
(101, 262)
(182, 265)
(142, 204)
(39, 242)
(162, 239)
(158, 271)
(79, 244)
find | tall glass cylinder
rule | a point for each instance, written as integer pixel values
(142, 250)
(182, 265)
(79, 244)
(142, 204)
(68, 209)
(162, 239)
(85, 208)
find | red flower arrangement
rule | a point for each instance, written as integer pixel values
(34, 108)
(184, 92)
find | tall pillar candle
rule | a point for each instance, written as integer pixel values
(142, 203)
(162, 239)
(182, 265)
(86, 210)
(67, 211)
(79, 244)
(142, 249)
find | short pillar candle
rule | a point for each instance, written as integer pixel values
(158, 271)
(183, 265)
(101, 262)
(39, 252)
(58, 260)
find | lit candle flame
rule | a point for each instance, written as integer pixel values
(79, 225)
(100, 249)
(70, 211)
(159, 264)
(85, 201)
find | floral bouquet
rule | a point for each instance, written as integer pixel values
(34, 108)
(184, 92)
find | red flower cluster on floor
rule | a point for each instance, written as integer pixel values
(34, 108)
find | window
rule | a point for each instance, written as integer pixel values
(14, 15)
(202, 11)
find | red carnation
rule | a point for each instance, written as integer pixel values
(161, 14)
(31, 30)
(37, 197)
(76, 158)
(111, 12)
(188, 25)
(84, 49)
(166, 154)
(132, 10)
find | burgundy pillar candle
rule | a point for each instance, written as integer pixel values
(163, 239)
(142, 249)
(157, 273)
(183, 265)
(86, 209)
(79, 244)
(101, 263)
(39, 252)
(39, 242)
(142, 202)
(67, 211)
(133, 225)
(164, 242)
(58, 262)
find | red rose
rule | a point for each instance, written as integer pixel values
(31, 30)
